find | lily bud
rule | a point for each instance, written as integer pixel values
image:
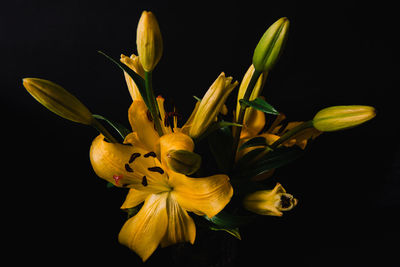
(211, 105)
(183, 161)
(149, 41)
(270, 202)
(254, 94)
(271, 45)
(58, 100)
(342, 117)
(133, 63)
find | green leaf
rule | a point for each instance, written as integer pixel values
(249, 157)
(215, 126)
(139, 81)
(227, 220)
(256, 141)
(110, 185)
(232, 231)
(220, 143)
(197, 98)
(271, 160)
(123, 132)
(259, 104)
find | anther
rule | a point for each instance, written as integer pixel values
(133, 157)
(150, 154)
(144, 181)
(128, 168)
(156, 169)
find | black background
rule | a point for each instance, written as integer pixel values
(57, 211)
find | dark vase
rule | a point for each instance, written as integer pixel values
(211, 249)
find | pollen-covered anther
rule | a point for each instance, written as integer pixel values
(128, 168)
(133, 157)
(150, 154)
(156, 169)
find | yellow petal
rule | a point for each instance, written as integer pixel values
(127, 165)
(254, 124)
(203, 196)
(143, 232)
(133, 63)
(181, 227)
(165, 122)
(174, 141)
(134, 198)
(140, 120)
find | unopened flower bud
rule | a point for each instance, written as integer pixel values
(183, 161)
(58, 100)
(133, 63)
(271, 45)
(211, 105)
(149, 41)
(342, 117)
(270, 202)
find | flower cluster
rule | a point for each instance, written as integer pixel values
(160, 163)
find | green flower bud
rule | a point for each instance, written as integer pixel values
(342, 117)
(183, 161)
(271, 45)
(58, 100)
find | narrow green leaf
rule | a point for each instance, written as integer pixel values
(271, 160)
(227, 220)
(139, 81)
(259, 104)
(123, 132)
(249, 157)
(256, 141)
(215, 126)
(197, 98)
(232, 231)
(220, 143)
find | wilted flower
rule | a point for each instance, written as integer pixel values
(270, 202)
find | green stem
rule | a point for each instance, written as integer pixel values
(291, 133)
(153, 107)
(99, 127)
(238, 130)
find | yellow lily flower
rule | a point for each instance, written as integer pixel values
(210, 106)
(270, 202)
(140, 163)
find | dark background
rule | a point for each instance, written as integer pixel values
(56, 210)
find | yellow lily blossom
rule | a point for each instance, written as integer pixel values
(149, 41)
(133, 63)
(140, 163)
(210, 106)
(270, 202)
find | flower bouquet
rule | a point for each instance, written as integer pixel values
(210, 169)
